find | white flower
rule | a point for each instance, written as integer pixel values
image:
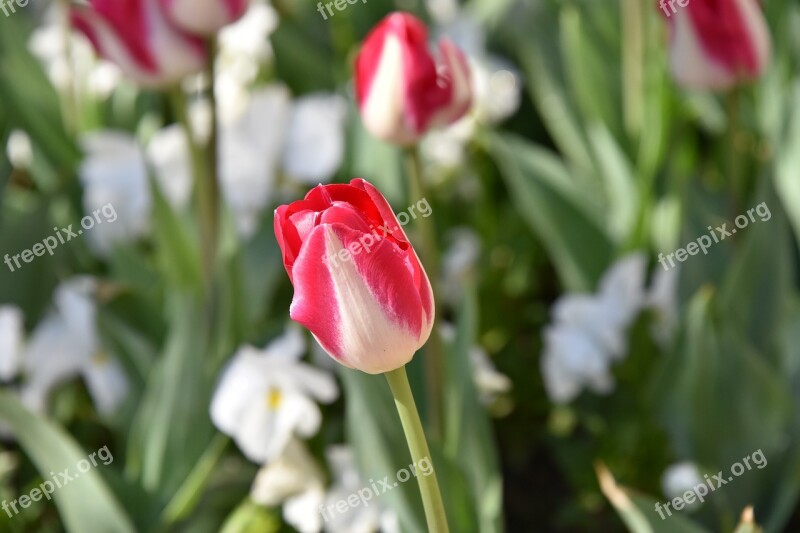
(250, 151)
(265, 397)
(114, 171)
(168, 153)
(458, 261)
(663, 300)
(69, 59)
(244, 48)
(589, 332)
(65, 345)
(347, 481)
(489, 382)
(680, 477)
(11, 337)
(295, 480)
(19, 149)
(315, 140)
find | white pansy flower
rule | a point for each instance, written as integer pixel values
(114, 172)
(11, 338)
(680, 477)
(69, 59)
(295, 480)
(168, 155)
(19, 149)
(66, 345)
(250, 151)
(265, 397)
(663, 300)
(589, 332)
(347, 481)
(488, 380)
(458, 261)
(244, 48)
(315, 140)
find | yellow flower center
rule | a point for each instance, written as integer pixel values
(274, 399)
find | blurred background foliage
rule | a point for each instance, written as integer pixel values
(604, 156)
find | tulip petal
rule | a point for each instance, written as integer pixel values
(360, 309)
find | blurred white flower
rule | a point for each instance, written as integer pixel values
(244, 48)
(458, 261)
(11, 338)
(114, 171)
(19, 149)
(295, 480)
(250, 150)
(168, 153)
(315, 139)
(66, 345)
(488, 380)
(347, 481)
(589, 332)
(265, 397)
(680, 477)
(663, 300)
(69, 60)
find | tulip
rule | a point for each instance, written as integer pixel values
(203, 17)
(715, 44)
(401, 89)
(359, 286)
(136, 35)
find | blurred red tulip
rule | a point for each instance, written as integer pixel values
(203, 17)
(359, 286)
(402, 90)
(136, 35)
(715, 44)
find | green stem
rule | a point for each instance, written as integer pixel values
(418, 446)
(203, 160)
(732, 156)
(434, 360)
(632, 64)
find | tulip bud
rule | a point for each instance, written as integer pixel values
(359, 286)
(401, 89)
(715, 44)
(137, 37)
(203, 17)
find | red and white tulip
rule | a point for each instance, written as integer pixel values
(359, 285)
(715, 44)
(136, 35)
(204, 17)
(401, 88)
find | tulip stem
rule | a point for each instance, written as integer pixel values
(430, 258)
(208, 189)
(418, 446)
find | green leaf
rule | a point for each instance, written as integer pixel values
(469, 440)
(86, 505)
(173, 427)
(638, 512)
(787, 165)
(577, 245)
